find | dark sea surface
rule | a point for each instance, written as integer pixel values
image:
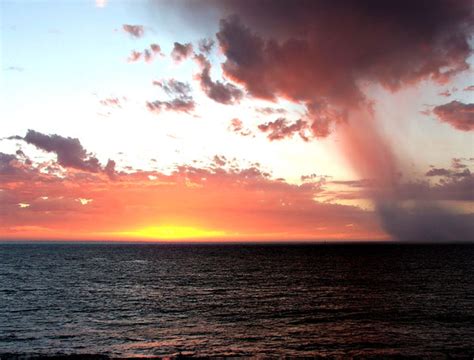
(238, 300)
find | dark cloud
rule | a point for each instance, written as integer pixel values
(457, 163)
(109, 169)
(134, 30)
(181, 51)
(69, 151)
(426, 222)
(281, 129)
(461, 174)
(224, 93)
(438, 172)
(318, 52)
(177, 105)
(181, 101)
(445, 93)
(206, 45)
(456, 114)
(359, 184)
(7, 164)
(21, 155)
(270, 111)
(452, 186)
(309, 177)
(175, 88)
(220, 160)
(469, 88)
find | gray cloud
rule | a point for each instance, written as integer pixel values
(181, 51)
(281, 129)
(181, 101)
(224, 93)
(457, 114)
(69, 152)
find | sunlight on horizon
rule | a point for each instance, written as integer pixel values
(172, 232)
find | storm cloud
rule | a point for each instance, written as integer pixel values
(318, 52)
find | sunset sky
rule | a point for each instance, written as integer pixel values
(237, 120)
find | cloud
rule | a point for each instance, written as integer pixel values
(175, 88)
(115, 102)
(206, 45)
(457, 163)
(155, 48)
(220, 160)
(9, 165)
(177, 105)
(236, 125)
(224, 93)
(134, 30)
(299, 49)
(181, 101)
(281, 129)
(454, 187)
(181, 51)
(270, 111)
(437, 172)
(445, 93)
(450, 185)
(469, 88)
(147, 54)
(134, 56)
(150, 54)
(69, 151)
(457, 114)
(109, 169)
(246, 203)
(427, 222)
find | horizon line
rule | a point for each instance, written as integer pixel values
(231, 242)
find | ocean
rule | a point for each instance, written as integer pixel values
(254, 300)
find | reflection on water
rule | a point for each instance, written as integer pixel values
(135, 300)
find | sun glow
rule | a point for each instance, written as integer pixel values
(171, 232)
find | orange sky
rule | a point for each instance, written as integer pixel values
(231, 120)
(188, 204)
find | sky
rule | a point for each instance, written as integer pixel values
(235, 120)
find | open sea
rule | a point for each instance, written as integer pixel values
(336, 301)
